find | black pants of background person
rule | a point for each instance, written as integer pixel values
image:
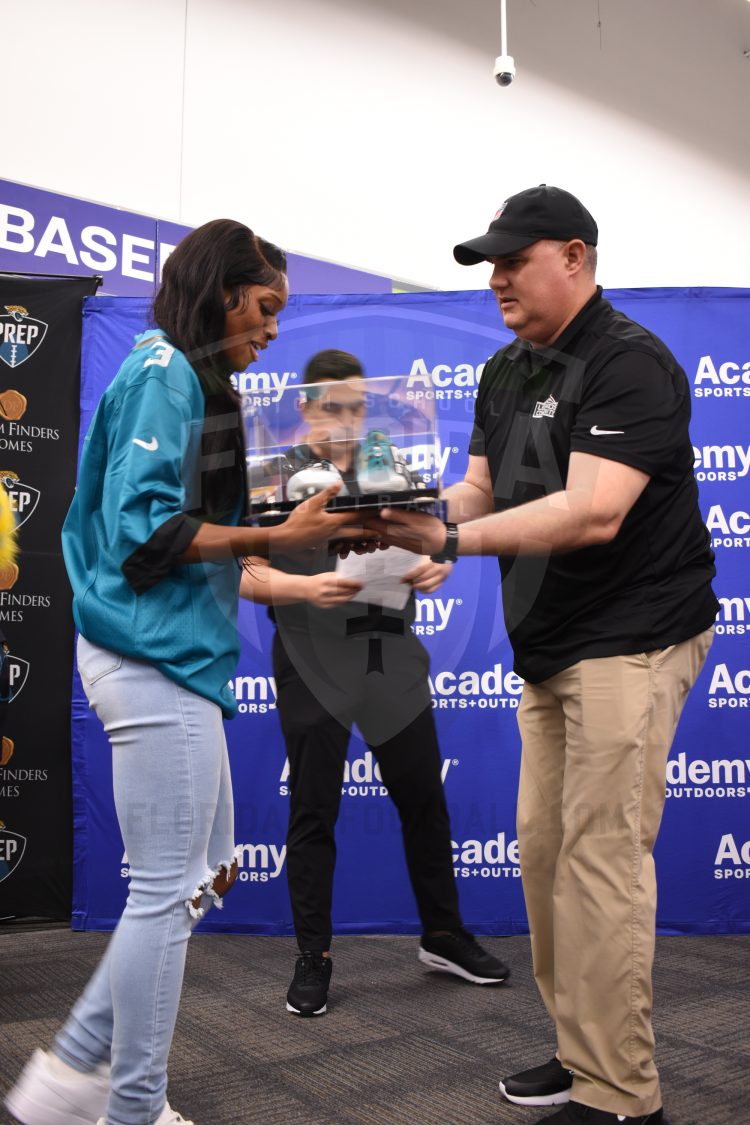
(409, 761)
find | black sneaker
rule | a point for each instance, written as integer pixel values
(460, 953)
(575, 1113)
(541, 1085)
(308, 991)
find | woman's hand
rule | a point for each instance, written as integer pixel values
(310, 525)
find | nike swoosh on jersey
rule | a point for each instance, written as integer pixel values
(151, 446)
(598, 433)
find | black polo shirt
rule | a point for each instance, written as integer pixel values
(610, 388)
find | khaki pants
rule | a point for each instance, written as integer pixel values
(596, 738)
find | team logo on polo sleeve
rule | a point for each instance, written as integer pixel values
(20, 335)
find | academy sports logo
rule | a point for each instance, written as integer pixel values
(722, 463)
(362, 777)
(489, 689)
(12, 847)
(255, 695)
(20, 335)
(23, 497)
(729, 689)
(721, 777)
(486, 859)
(727, 380)
(732, 859)
(262, 388)
(433, 615)
(258, 863)
(546, 409)
(12, 405)
(733, 618)
(733, 528)
(427, 460)
(443, 381)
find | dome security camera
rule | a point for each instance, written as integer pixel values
(505, 70)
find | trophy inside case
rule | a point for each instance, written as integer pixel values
(369, 435)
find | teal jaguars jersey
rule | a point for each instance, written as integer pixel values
(129, 523)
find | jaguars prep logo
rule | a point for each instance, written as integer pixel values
(23, 497)
(12, 847)
(18, 674)
(20, 335)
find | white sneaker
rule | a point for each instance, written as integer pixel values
(170, 1116)
(49, 1092)
(167, 1116)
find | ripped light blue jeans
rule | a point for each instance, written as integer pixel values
(173, 796)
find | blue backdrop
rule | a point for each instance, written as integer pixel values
(441, 341)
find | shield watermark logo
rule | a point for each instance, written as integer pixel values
(20, 335)
(12, 847)
(23, 497)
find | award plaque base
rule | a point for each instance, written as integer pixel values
(424, 500)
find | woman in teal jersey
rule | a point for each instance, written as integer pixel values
(152, 543)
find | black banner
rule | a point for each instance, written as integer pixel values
(40, 353)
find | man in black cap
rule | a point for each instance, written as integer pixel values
(581, 480)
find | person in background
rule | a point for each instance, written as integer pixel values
(338, 662)
(151, 543)
(580, 480)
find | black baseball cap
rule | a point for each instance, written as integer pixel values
(525, 218)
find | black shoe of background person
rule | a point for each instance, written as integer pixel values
(308, 992)
(548, 1084)
(459, 952)
(577, 1114)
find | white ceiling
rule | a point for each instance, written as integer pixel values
(675, 65)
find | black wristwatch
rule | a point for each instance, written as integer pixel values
(449, 553)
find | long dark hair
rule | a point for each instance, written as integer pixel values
(190, 307)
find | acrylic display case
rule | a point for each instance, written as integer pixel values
(369, 434)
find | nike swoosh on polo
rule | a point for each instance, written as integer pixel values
(598, 433)
(151, 446)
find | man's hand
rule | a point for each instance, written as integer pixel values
(428, 576)
(310, 525)
(328, 590)
(414, 531)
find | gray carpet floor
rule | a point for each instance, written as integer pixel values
(399, 1045)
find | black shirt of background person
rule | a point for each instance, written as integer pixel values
(607, 387)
